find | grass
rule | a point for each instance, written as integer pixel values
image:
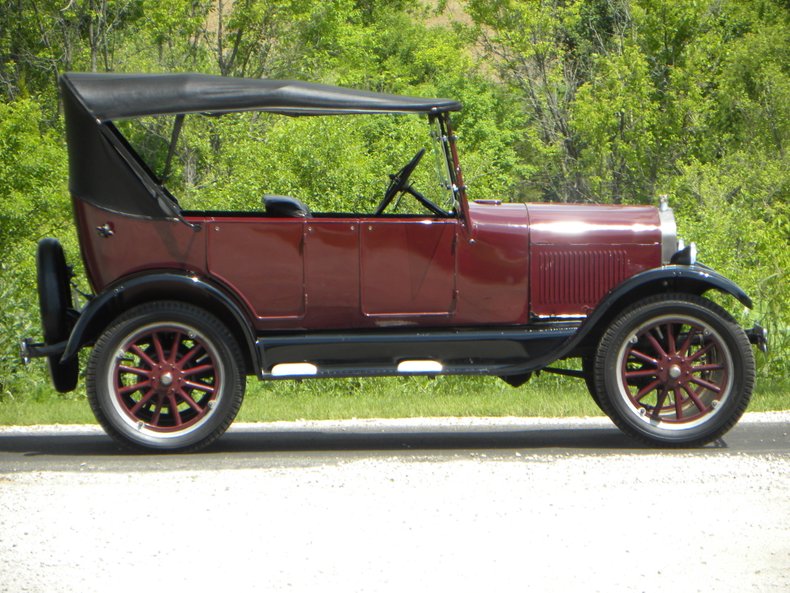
(397, 397)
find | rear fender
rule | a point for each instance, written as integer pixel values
(120, 297)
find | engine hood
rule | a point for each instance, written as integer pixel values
(577, 253)
(584, 224)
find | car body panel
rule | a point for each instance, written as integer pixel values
(331, 272)
(260, 260)
(130, 245)
(354, 271)
(407, 269)
(493, 265)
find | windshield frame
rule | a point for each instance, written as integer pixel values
(448, 153)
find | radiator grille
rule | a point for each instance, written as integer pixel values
(579, 276)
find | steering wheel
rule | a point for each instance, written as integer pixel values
(399, 182)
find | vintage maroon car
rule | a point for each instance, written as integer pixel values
(187, 303)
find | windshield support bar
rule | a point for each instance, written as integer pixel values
(451, 155)
(172, 149)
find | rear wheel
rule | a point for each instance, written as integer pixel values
(165, 376)
(674, 370)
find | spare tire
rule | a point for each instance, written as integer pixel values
(54, 300)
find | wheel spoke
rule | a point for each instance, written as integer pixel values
(707, 367)
(189, 356)
(173, 406)
(160, 353)
(134, 387)
(188, 399)
(684, 348)
(656, 346)
(704, 350)
(662, 397)
(705, 384)
(671, 347)
(144, 400)
(174, 350)
(160, 401)
(678, 403)
(146, 359)
(647, 389)
(198, 369)
(644, 357)
(134, 370)
(641, 373)
(199, 386)
(695, 398)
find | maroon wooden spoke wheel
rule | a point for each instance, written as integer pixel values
(166, 377)
(675, 370)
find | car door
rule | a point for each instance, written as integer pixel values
(407, 267)
(260, 259)
(331, 269)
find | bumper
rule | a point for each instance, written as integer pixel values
(29, 350)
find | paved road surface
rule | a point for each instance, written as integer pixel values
(317, 443)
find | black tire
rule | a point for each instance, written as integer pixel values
(165, 377)
(674, 370)
(54, 301)
(588, 368)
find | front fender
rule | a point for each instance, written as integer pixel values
(695, 279)
(123, 295)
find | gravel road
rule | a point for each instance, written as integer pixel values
(453, 520)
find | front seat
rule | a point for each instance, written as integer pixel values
(285, 207)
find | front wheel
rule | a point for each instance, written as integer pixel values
(165, 376)
(674, 370)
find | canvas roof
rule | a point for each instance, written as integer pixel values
(109, 96)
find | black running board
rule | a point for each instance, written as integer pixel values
(488, 351)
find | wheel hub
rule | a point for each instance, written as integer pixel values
(674, 371)
(166, 377)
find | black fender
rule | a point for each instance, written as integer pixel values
(694, 279)
(167, 285)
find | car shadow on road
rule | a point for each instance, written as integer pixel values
(254, 440)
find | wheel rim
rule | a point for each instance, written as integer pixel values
(675, 371)
(166, 380)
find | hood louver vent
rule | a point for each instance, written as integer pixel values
(578, 276)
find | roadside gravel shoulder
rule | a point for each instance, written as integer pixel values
(452, 519)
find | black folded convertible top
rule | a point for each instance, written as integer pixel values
(105, 170)
(121, 96)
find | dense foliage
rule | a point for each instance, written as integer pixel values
(569, 100)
